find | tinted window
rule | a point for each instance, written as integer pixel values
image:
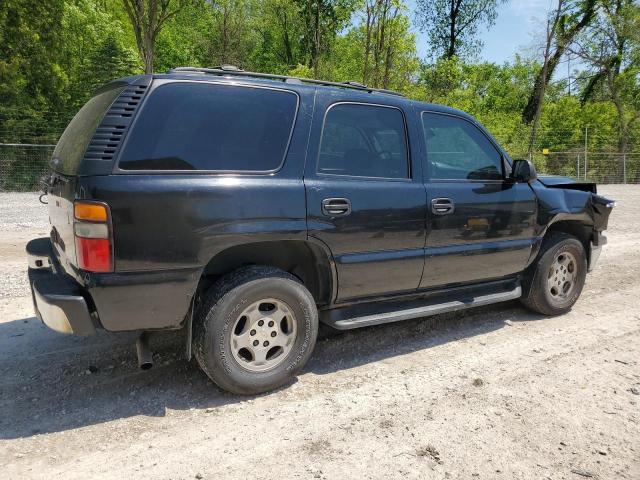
(191, 126)
(364, 141)
(456, 149)
(74, 141)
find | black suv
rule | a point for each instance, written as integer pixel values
(246, 208)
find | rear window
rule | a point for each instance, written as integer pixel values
(74, 141)
(191, 126)
(364, 141)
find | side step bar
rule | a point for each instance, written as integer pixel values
(426, 310)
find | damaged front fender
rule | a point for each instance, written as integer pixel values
(573, 201)
(583, 213)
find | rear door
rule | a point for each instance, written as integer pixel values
(365, 196)
(480, 223)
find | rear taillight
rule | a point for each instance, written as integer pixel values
(92, 228)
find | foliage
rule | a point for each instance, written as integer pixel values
(54, 54)
(379, 50)
(611, 47)
(32, 82)
(566, 21)
(452, 25)
(147, 18)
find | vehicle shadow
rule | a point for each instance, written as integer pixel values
(51, 382)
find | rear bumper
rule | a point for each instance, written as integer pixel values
(59, 301)
(116, 302)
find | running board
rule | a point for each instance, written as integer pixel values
(462, 303)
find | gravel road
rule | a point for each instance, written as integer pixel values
(496, 392)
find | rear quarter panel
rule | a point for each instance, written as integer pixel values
(163, 222)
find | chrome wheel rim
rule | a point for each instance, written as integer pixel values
(561, 279)
(263, 335)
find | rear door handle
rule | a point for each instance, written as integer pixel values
(442, 206)
(336, 207)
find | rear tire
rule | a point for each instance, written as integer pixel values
(553, 283)
(255, 329)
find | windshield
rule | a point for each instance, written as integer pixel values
(74, 141)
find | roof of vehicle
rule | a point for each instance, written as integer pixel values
(231, 73)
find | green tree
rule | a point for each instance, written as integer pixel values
(452, 25)
(233, 36)
(187, 39)
(567, 19)
(279, 28)
(323, 19)
(111, 59)
(92, 50)
(611, 48)
(380, 50)
(32, 83)
(147, 18)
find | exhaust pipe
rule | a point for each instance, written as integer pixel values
(145, 357)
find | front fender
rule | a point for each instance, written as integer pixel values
(562, 204)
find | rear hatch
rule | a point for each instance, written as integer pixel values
(88, 147)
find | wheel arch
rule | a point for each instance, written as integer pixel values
(577, 225)
(308, 261)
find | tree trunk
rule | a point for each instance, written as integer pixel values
(316, 49)
(148, 53)
(224, 36)
(309, 36)
(453, 17)
(564, 39)
(288, 53)
(542, 80)
(367, 44)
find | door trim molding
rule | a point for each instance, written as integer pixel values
(380, 256)
(480, 247)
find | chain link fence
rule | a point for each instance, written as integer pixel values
(598, 167)
(22, 166)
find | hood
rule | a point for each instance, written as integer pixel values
(555, 181)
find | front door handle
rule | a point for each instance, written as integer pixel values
(442, 206)
(336, 207)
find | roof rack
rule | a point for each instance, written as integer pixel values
(233, 70)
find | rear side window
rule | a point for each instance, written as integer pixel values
(74, 141)
(458, 150)
(364, 141)
(199, 126)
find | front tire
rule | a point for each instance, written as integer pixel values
(553, 284)
(255, 330)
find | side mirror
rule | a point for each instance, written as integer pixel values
(523, 171)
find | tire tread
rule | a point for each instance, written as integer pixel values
(213, 299)
(534, 296)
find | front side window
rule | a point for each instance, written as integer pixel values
(364, 141)
(458, 150)
(203, 126)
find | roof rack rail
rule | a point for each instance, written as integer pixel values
(233, 70)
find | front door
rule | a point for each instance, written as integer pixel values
(365, 198)
(480, 223)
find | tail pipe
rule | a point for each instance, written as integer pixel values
(145, 357)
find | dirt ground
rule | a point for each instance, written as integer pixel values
(491, 393)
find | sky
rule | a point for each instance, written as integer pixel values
(517, 22)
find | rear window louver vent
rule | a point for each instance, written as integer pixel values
(104, 143)
(108, 136)
(127, 102)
